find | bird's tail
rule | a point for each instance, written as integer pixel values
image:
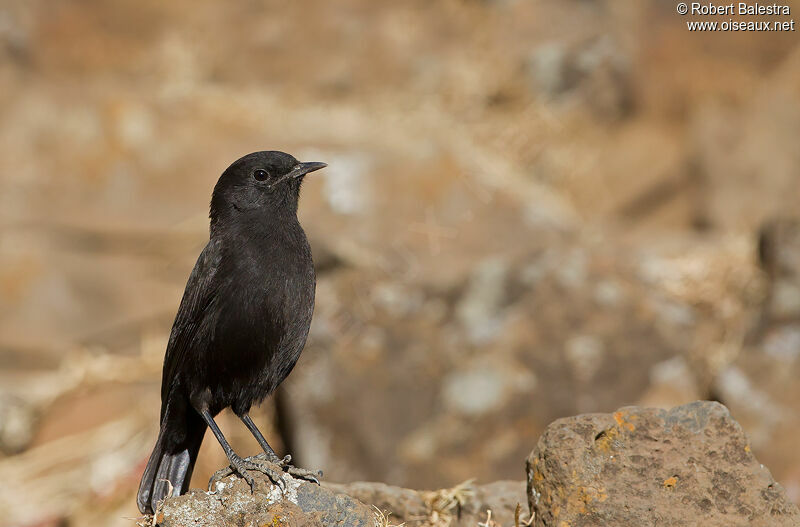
(169, 469)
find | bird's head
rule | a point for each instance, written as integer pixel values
(262, 182)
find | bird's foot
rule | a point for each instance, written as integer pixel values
(270, 465)
(298, 473)
(259, 463)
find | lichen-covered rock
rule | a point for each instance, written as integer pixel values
(691, 465)
(231, 504)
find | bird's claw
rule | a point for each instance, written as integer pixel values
(303, 473)
(218, 476)
(262, 463)
(241, 466)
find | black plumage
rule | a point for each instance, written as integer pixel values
(242, 322)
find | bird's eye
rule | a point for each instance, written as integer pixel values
(260, 174)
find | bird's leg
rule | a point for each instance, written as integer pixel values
(238, 465)
(285, 463)
(270, 453)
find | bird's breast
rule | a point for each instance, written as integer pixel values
(274, 291)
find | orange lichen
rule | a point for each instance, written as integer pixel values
(584, 496)
(619, 417)
(670, 482)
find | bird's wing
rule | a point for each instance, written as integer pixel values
(201, 290)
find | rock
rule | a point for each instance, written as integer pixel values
(232, 504)
(463, 505)
(690, 465)
(354, 504)
(503, 498)
(398, 503)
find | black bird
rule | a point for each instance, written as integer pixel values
(241, 325)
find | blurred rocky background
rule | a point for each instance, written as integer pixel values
(532, 210)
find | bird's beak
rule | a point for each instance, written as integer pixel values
(300, 170)
(304, 168)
